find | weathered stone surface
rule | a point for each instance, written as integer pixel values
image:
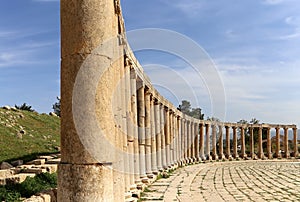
(5, 165)
(93, 183)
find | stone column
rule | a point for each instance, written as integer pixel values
(252, 153)
(243, 146)
(208, 157)
(163, 137)
(192, 140)
(171, 141)
(228, 153)
(135, 132)
(186, 146)
(214, 142)
(202, 155)
(85, 25)
(235, 153)
(260, 146)
(175, 139)
(179, 121)
(189, 141)
(196, 128)
(167, 136)
(129, 123)
(141, 129)
(158, 130)
(221, 150)
(277, 152)
(147, 134)
(269, 144)
(295, 142)
(183, 139)
(153, 138)
(286, 143)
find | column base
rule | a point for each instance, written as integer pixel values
(243, 156)
(93, 182)
(222, 157)
(215, 157)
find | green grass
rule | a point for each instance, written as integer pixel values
(42, 135)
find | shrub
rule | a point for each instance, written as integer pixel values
(31, 186)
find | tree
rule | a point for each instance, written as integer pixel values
(24, 107)
(187, 109)
(56, 107)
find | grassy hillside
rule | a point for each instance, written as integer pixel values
(24, 134)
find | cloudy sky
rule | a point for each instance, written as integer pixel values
(253, 44)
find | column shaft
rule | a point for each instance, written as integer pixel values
(208, 157)
(269, 145)
(221, 150)
(163, 138)
(214, 142)
(202, 155)
(243, 146)
(286, 143)
(228, 153)
(277, 152)
(295, 142)
(235, 153)
(252, 153)
(153, 138)
(260, 146)
(197, 155)
(134, 117)
(141, 130)
(158, 132)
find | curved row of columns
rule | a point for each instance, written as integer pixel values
(117, 131)
(168, 138)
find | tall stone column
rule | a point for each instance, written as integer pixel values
(208, 157)
(158, 130)
(148, 133)
(85, 25)
(134, 117)
(129, 123)
(183, 139)
(235, 153)
(269, 144)
(153, 138)
(214, 142)
(277, 152)
(228, 153)
(179, 121)
(243, 146)
(286, 143)
(167, 136)
(295, 142)
(163, 137)
(192, 141)
(171, 138)
(176, 154)
(197, 155)
(221, 150)
(260, 146)
(186, 146)
(252, 153)
(141, 129)
(202, 155)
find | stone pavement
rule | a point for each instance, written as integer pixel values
(277, 180)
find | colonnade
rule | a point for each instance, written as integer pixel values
(117, 131)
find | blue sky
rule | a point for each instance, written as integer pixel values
(255, 45)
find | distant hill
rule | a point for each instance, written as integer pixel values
(24, 134)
